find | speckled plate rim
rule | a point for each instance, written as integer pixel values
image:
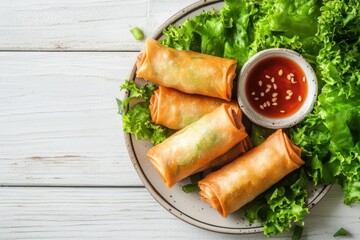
(155, 194)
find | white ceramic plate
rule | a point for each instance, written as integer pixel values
(188, 206)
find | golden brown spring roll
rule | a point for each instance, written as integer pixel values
(176, 110)
(240, 181)
(236, 151)
(187, 71)
(196, 145)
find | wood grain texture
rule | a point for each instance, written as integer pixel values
(95, 25)
(58, 119)
(117, 213)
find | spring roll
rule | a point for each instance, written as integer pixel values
(176, 110)
(196, 145)
(187, 71)
(240, 181)
(235, 152)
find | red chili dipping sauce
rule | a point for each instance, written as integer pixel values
(276, 87)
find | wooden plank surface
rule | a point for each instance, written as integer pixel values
(62, 25)
(58, 120)
(118, 213)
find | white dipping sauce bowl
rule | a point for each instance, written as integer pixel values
(287, 121)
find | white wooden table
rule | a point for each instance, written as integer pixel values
(64, 167)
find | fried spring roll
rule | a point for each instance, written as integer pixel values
(176, 110)
(236, 151)
(240, 181)
(187, 71)
(196, 145)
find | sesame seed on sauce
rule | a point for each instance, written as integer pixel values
(276, 98)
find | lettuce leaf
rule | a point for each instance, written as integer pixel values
(204, 33)
(281, 205)
(239, 15)
(259, 134)
(330, 137)
(136, 92)
(137, 120)
(341, 232)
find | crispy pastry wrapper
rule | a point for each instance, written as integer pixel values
(236, 151)
(240, 181)
(176, 110)
(198, 144)
(187, 71)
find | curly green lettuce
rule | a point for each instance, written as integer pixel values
(135, 92)
(330, 137)
(137, 120)
(281, 205)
